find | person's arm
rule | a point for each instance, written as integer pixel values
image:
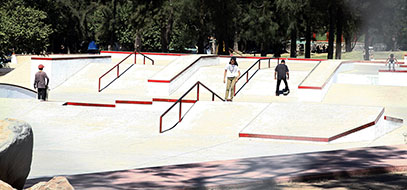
(288, 76)
(238, 74)
(224, 76)
(35, 82)
(47, 80)
(275, 75)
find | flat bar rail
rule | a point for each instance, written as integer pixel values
(118, 68)
(180, 117)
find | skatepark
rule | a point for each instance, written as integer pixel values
(150, 123)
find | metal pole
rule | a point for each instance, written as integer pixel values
(180, 111)
(161, 124)
(197, 92)
(144, 60)
(269, 63)
(117, 70)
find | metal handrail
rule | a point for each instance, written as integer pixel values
(144, 58)
(247, 72)
(117, 66)
(180, 104)
(118, 71)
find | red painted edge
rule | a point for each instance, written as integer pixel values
(172, 100)
(310, 87)
(381, 62)
(403, 65)
(394, 119)
(133, 102)
(283, 137)
(314, 139)
(158, 81)
(358, 128)
(145, 53)
(88, 104)
(68, 58)
(281, 58)
(390, 71)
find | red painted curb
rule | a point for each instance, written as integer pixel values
(394, 119)
(68, 58)
(283, 137)
(314, 139)
(88, 104)
(391, 71)
(310, 87)
(133, 102)
(172, 100)
(158, 81)
(145, 53)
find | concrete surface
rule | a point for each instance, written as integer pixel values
(72, 140)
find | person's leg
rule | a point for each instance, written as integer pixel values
(286, 84)
(232, 92)
(41, 93)
(278, 86)
(228, 83)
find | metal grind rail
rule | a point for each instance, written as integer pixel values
(248, 76)
(117, 66)
(180, 100)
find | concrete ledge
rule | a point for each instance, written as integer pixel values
(60, 69)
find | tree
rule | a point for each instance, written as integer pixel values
(22, 28)
(260, 26)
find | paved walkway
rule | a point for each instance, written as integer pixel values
(249, 173)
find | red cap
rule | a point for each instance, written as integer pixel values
(40, 66)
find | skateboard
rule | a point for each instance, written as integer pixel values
(284, 92)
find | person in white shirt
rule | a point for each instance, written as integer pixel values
(232, 72)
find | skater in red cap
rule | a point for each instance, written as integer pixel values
(41, 82)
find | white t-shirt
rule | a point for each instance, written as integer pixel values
(232, 70)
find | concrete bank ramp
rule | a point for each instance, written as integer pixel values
(15, 91)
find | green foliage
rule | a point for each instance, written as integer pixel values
(33, 26)
(22, 29)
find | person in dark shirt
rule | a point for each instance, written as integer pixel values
(392, 61)
(41, 82)
(281, 73)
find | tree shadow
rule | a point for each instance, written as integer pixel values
(253, 173)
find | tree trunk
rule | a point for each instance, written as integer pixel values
(338, 52)
(331, 32)
(112, 34)
(166, 30)
(308, 41)
(201, 44)
(137, 42)
(367, 36)
(293, 48)
(348, 43)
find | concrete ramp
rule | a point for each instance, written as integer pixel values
(319, 123)
(15, 91)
